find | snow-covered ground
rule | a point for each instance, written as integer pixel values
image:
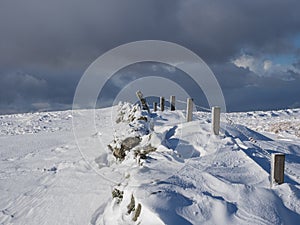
(174, 173)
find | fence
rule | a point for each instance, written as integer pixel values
(276, 159)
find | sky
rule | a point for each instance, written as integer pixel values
(253, 47)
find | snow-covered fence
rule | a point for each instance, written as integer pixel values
(216, 112)
(162, 103)
(277, 168)
(277, 159)
(189, 110)
(172, 103)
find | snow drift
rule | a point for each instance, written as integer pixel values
(148, 169)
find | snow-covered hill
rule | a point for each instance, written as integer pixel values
(166, 171)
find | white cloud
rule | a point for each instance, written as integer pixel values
(268, 65)
(244, 61)
(265, 67)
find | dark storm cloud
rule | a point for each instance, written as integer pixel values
(24, 92)
(245, 91)
(53, 42)
(220, 28)
(74, 31)
(268, 94)
(147, 69)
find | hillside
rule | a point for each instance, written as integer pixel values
(158, 169)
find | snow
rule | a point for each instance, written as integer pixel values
(47, 176)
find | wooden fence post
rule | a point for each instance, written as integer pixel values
(143, 101)
(277, 168)
(216, 111)
(172, 103)
(162, 103)
(189, 110)
(154, 106)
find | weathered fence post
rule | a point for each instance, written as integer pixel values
(154, 106)
(277, 168)
(143, 101)
(189, 110)
(162, 103)
(172, 102)
(216, 111)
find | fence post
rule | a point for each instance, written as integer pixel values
(216, 111)
(277, 168)
(143, 101)
(154, 106)
(162, 103)
(172, 102)
(189, 110)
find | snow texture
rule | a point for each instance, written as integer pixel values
(190, 176)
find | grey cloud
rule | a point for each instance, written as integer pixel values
(53, 42)
(16, 83)
(22, 92)
(245, 91)
(220, 29)
(147, 69)
(57, 32)
(269, 94)
(232, 77)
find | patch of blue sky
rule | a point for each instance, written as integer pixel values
(287, 59)
(283, 59)
(296, 41)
